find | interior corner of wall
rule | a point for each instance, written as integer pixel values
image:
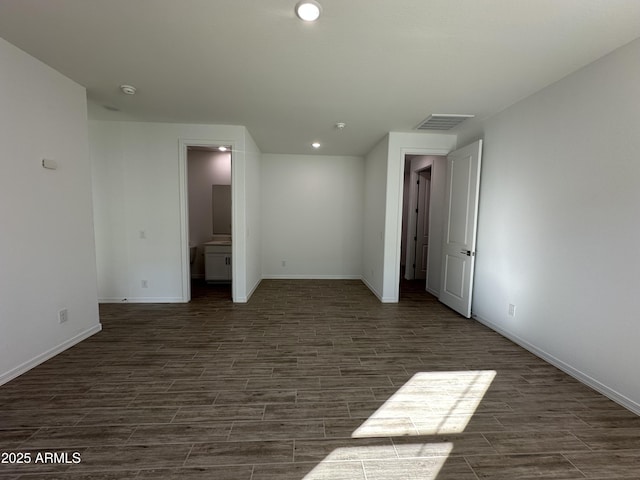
(373, 289)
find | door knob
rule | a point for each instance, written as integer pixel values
(466, 252)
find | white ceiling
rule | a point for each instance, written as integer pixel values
(377, 65)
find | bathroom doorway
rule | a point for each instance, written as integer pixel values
(208, 169)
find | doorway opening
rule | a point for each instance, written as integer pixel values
(423, 200)
(208, 172)
(421, 237)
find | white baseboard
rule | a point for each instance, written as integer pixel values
(389, 299)
(43, 357)
(142, 300)
(582, 377)
(311, 277)
(435, 293)
(372, 288)
(378, 294)
(112, 300)
(249, 295)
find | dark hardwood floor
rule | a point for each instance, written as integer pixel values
(309, 380)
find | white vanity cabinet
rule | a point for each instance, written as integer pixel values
(217, 263)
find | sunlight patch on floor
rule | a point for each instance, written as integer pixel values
(352, 462)
(430, 403)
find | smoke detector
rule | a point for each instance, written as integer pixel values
(128, 89)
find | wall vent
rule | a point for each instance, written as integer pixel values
(439, 121)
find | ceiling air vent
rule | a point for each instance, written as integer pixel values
(442, 121)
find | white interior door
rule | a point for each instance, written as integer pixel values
(461, 219)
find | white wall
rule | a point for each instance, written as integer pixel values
(110, 212)
(47, 255)
(204, 169)
(559, 224)
(252, 214)
(138, 189)
(312, 208)
(375, 189)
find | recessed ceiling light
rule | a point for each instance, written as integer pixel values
(222, 148)
(128, 89)
(308, 10)
(315, 144)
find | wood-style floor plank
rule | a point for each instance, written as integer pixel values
(311, 379)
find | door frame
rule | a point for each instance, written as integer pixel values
(404, 151)
(184, 209)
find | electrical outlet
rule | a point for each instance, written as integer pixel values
(284, 263)
(144, 284)
(512, 310)
(63, 315)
